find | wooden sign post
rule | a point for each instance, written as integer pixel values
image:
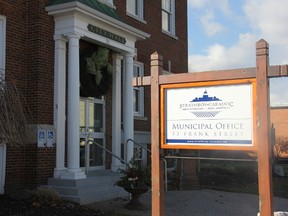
(253, 135)
(156, 168)
(265, 182)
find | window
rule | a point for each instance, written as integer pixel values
(135, 8)
(138, 71)
(108, 2)
(2, 71)
(2, 43)
(168, 16)
(140, 154)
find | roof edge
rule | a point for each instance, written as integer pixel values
(57, 9)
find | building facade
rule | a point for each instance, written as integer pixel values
(279, 119)
(74, 62)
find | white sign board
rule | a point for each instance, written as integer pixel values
(46, 136)
(212, 115)
(42, 139)
(50, 138)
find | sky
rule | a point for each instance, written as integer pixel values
(222, 34)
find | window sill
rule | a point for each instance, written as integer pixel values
(136, 18)
(140, 118)
(170, 34)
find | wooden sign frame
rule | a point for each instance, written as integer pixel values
(203, 131)
(262, 72)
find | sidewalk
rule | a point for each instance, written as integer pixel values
(196, 203)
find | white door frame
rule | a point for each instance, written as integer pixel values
(90, 135)
(2, 166)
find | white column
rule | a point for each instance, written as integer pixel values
(59, 102)
(128, 113)
(73, 160)
(116, 112)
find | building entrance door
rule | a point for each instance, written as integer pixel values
(2, 167)
(92, 133)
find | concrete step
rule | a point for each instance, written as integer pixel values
(98, 196)
(99, 179)
(96, 187)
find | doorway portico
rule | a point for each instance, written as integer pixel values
(75, 21)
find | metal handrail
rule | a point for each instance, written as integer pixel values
(138, 144)
(162, 158)
(111, 153)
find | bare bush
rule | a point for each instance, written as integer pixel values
(281, 146)
(46, 196)
(14, 113)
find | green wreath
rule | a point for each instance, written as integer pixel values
(95, 73)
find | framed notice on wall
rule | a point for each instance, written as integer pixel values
(209, 115)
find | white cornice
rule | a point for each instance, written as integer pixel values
(58, 10)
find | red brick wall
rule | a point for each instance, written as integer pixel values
(29, 62)
(27, 167)
(279, 118)
(108, 128)
(15, 169)
(174, 50)
(40, 50)
(16, 58)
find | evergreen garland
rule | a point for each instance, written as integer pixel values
(95, 73)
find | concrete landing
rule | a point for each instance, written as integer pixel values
(98, 186)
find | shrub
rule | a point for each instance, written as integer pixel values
(281, 146)
(135, 176)
(46, 197)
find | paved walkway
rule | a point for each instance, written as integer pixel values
(196, 203)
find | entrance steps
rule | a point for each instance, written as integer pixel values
(98, 186)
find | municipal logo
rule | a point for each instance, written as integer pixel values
(206, 106)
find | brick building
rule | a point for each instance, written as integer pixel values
(48, 48)
(279, 119)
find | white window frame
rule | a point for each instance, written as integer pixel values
(140, 90)
(138, 12)
(2, 42)
(2, 66)
(171, 17)
(140, 154)
(107, 2)
(2, 166)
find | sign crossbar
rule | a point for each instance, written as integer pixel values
(205, 158)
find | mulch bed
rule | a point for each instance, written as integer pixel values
(14, 207)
